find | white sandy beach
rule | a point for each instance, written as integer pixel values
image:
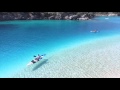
(93, 59)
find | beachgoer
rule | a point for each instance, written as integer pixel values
(38, 57)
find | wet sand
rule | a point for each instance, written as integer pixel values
(98, 58)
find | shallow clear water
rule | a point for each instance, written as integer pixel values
(20, 40)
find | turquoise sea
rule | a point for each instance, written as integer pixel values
(22, 39)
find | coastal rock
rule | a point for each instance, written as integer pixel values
(118, 14)
(66, 17)
(112, 14)
(73, 17)
(53, 15)
(86, 18)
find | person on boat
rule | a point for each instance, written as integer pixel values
(39, 57)
(36, 59)
(33, 61)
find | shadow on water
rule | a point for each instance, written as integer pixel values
(40, 64)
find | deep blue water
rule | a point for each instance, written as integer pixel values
(20, 40)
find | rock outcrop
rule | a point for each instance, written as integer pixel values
(53, 15)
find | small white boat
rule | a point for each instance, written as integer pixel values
(94, 31)
(30, 63)
(35, 61)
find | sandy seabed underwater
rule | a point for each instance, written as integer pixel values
(71, 50)
(94, 59)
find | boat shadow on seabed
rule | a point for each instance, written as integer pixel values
(40, 64)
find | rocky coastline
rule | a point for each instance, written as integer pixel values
(4, 16)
